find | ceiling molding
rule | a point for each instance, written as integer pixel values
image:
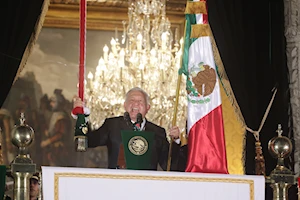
(171, 5)
(103, 15)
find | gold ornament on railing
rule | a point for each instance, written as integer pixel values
(260, 168)
(147, 57)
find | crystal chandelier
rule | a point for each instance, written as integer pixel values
(148, 57)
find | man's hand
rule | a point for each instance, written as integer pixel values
(79, 108)
(77, 102)
(174, 132)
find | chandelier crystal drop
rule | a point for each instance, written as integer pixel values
(148, 57)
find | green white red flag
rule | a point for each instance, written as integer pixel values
(206, 140)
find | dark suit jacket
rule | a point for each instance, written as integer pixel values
(109, 134)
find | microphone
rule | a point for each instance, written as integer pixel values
(139, 119)
(128, 119)
(138, 123)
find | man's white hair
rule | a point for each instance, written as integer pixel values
(140, 90)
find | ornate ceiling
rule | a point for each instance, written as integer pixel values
(172, 5)
(103, 14)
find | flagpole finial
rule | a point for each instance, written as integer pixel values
(279, 130)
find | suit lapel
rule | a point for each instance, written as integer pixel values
(147, 126)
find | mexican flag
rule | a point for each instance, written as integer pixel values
(206, 140)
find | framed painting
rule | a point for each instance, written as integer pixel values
(48, 82)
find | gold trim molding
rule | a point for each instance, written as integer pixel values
(200, 30)
(196, 7)
(105, 16)
(57, 176)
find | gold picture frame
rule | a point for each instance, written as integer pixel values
(106, 16)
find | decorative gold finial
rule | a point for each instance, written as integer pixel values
(22, 136)
(279, 130)
(22, 167)
(281, 178)
(22, 119)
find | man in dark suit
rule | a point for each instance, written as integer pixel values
(136, 102)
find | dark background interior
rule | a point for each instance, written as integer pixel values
(250, 38)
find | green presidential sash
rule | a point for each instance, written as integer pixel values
(137, 149)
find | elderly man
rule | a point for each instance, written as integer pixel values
(137, 102)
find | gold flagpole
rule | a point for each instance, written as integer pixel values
(176, 105)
